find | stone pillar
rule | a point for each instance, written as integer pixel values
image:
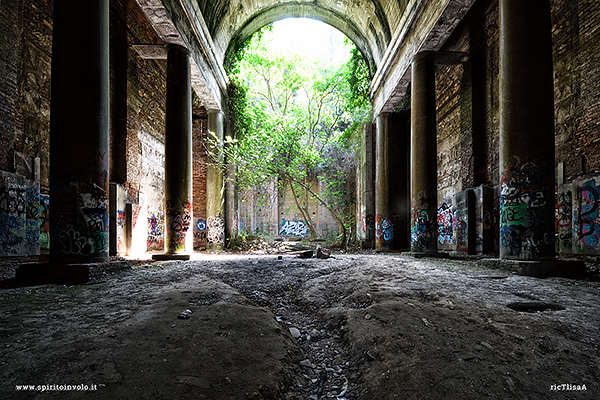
(230, 206)
(423, 155)
(178, 152)
(526, 131)
(79, 132)
(367, 212)
(215, 187)
(384, 229)
(399, 177)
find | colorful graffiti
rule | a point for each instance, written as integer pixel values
(294, 228)
(201, 224)
(525, 211)
(156, 230)
(216, 230)
(384, 232)
(423, 225)
(445, 221)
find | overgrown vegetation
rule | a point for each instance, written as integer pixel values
(296, 123)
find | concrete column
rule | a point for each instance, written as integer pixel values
(215, 187)
(178, 152)
(384, 229)
(367, 212)
(230, 206)
(423, 158)
(79, 132)
(399, 177)
(526, 131)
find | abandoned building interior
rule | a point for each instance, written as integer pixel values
(484, 140)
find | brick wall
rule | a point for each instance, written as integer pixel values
(25, 48)
(467, 104)
(199, 157)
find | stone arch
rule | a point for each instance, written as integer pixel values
(314, 11)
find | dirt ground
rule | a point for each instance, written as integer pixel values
(356, 326)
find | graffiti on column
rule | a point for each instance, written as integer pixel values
(422, 224)
(588, 216)
(83, 227)
(293, 228)
(524, 210)
(445, 221)
(216, 230)
(384, 232)
(179, 219)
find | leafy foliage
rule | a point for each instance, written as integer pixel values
(293, 121)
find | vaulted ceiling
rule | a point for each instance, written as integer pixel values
(388, 33)
(368, 23)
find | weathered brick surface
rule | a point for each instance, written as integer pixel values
(199, 158)
(467, 104)
(576, 36)
(25, 48)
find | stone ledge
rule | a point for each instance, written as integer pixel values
(171, 257)
(547, 269)
(65, 274)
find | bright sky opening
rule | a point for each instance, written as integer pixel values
(311, 38)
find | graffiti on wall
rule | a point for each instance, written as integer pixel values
(445, 221)
(179, 219)
(525, 211)
(20, 218)
(156, 230)
(564, 219)
(294, 228)
(216, 230)
(587, 217)
(461, 225)
(44, 221)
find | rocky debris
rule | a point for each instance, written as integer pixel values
(322, 253)
(185, 314)
(295, 333)
(305, 254)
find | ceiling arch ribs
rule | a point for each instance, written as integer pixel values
(279, 11)
(424, 26)
(180, 22)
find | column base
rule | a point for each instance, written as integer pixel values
(62, 274)
(547, 269)
(171, 257)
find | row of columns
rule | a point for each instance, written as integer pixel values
(526, 141)
(79, 140)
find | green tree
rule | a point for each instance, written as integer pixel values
(294, 121)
